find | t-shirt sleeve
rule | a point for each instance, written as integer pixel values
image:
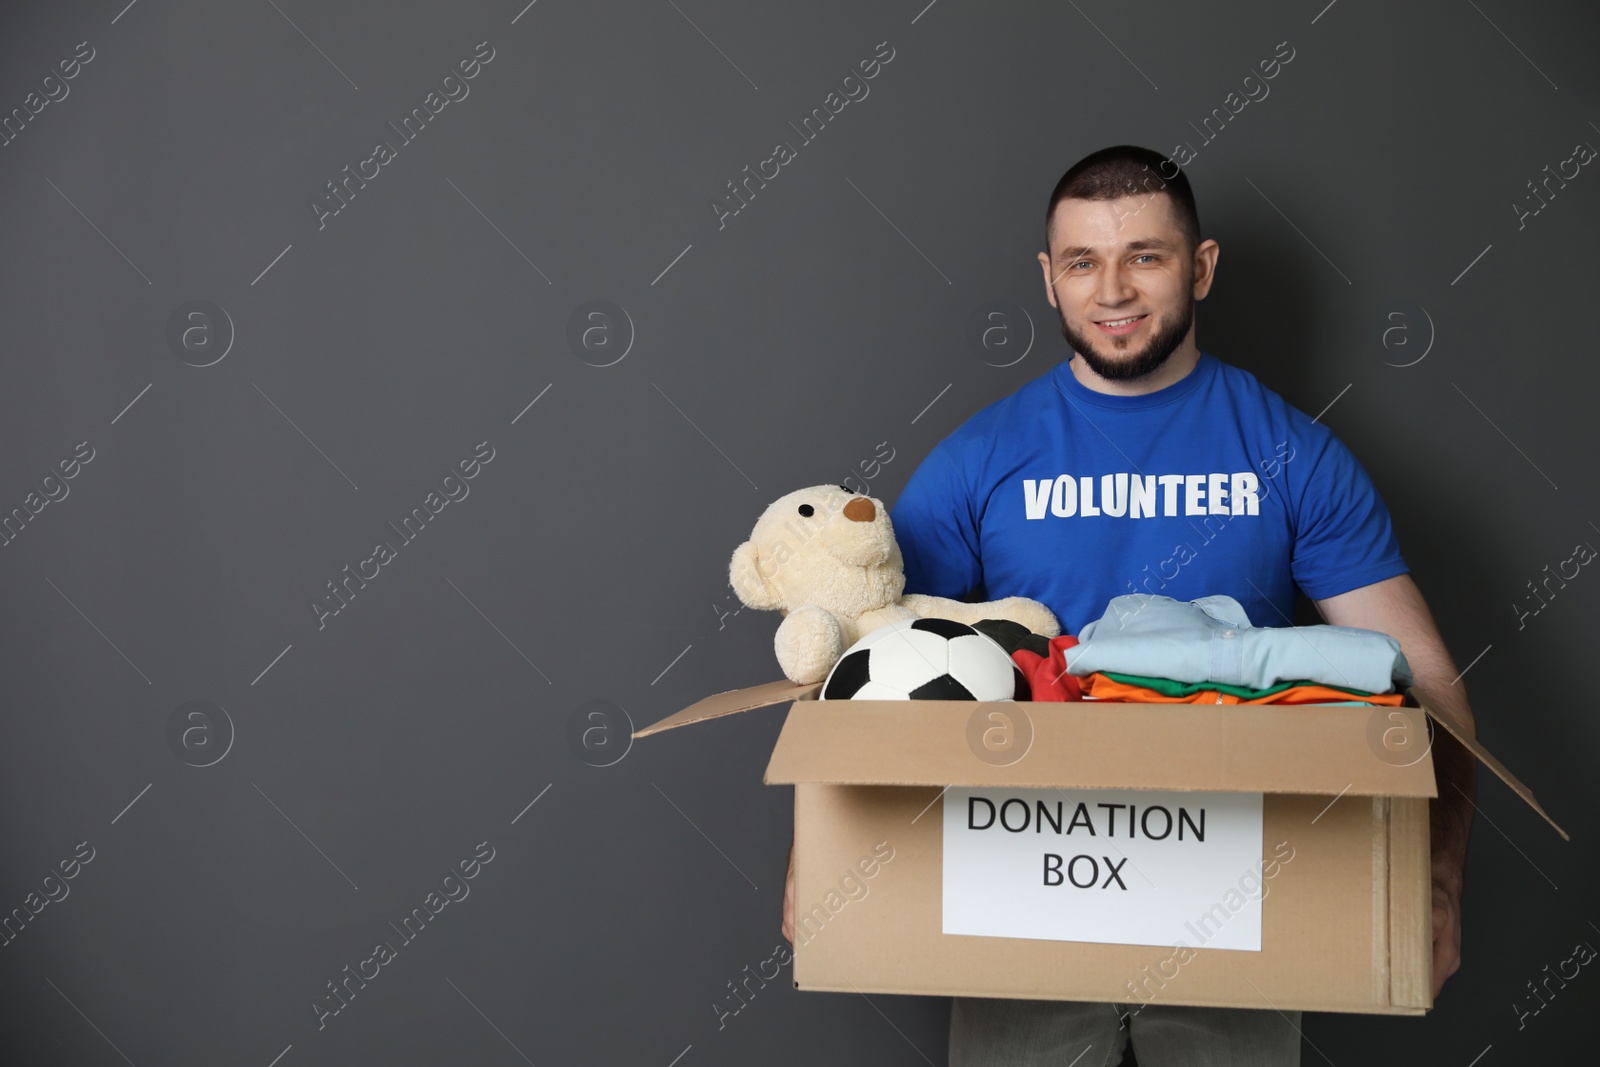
(935, 525)
(1344, 538)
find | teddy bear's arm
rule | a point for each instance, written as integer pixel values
(808, 643)
(1019, 609)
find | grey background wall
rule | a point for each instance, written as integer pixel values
(264, 790)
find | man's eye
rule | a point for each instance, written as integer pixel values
(1146, 256)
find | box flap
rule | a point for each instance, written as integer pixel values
(732, 702)
(1472, 745)
(1308, 748)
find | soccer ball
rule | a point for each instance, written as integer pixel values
(925, 659)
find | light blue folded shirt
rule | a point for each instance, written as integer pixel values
(1211, 640)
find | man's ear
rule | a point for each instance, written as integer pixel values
(1205, 267)
(1049, 282)
(751, 586)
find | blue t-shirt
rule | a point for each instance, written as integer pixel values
(1213, 484)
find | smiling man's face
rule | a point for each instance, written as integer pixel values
(1125, 282)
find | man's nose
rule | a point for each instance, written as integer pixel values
(860, 509)
(1114, 287)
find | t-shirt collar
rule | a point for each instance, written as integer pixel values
(1076, 391)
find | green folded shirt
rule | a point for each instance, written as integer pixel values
(1171, 688)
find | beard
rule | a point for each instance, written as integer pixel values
(1163, 341)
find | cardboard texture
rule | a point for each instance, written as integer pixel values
(1346, 924)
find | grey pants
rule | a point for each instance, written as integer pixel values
(989, 1032)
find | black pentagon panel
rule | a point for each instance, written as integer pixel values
(1022, 690)
(943, 687)
(1013, 635)
(849, 675)
(946, 628)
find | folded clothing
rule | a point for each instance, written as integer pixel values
(1105, 686)
(1043, 662)
(1211, 640)
(1170, 687)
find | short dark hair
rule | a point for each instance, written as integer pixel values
(1127, 170)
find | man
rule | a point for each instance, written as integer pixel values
(1143, 465)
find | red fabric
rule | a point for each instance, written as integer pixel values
(1047, 677)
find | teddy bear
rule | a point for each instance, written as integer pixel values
(826, 559)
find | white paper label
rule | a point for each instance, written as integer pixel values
(1115, 866)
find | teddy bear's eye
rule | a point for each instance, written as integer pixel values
(807, 510)
(847, 489)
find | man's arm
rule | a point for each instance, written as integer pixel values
(1395, 606)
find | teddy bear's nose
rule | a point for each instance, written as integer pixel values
(860, 509)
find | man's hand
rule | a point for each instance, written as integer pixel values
(1446, 935)
(788, 905)
(1395, 606)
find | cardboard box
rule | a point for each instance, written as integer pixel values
(1344, 925)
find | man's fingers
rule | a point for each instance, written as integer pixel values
(1446, 944)
(788, 900)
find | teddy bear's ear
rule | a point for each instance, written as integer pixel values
(744, 572)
